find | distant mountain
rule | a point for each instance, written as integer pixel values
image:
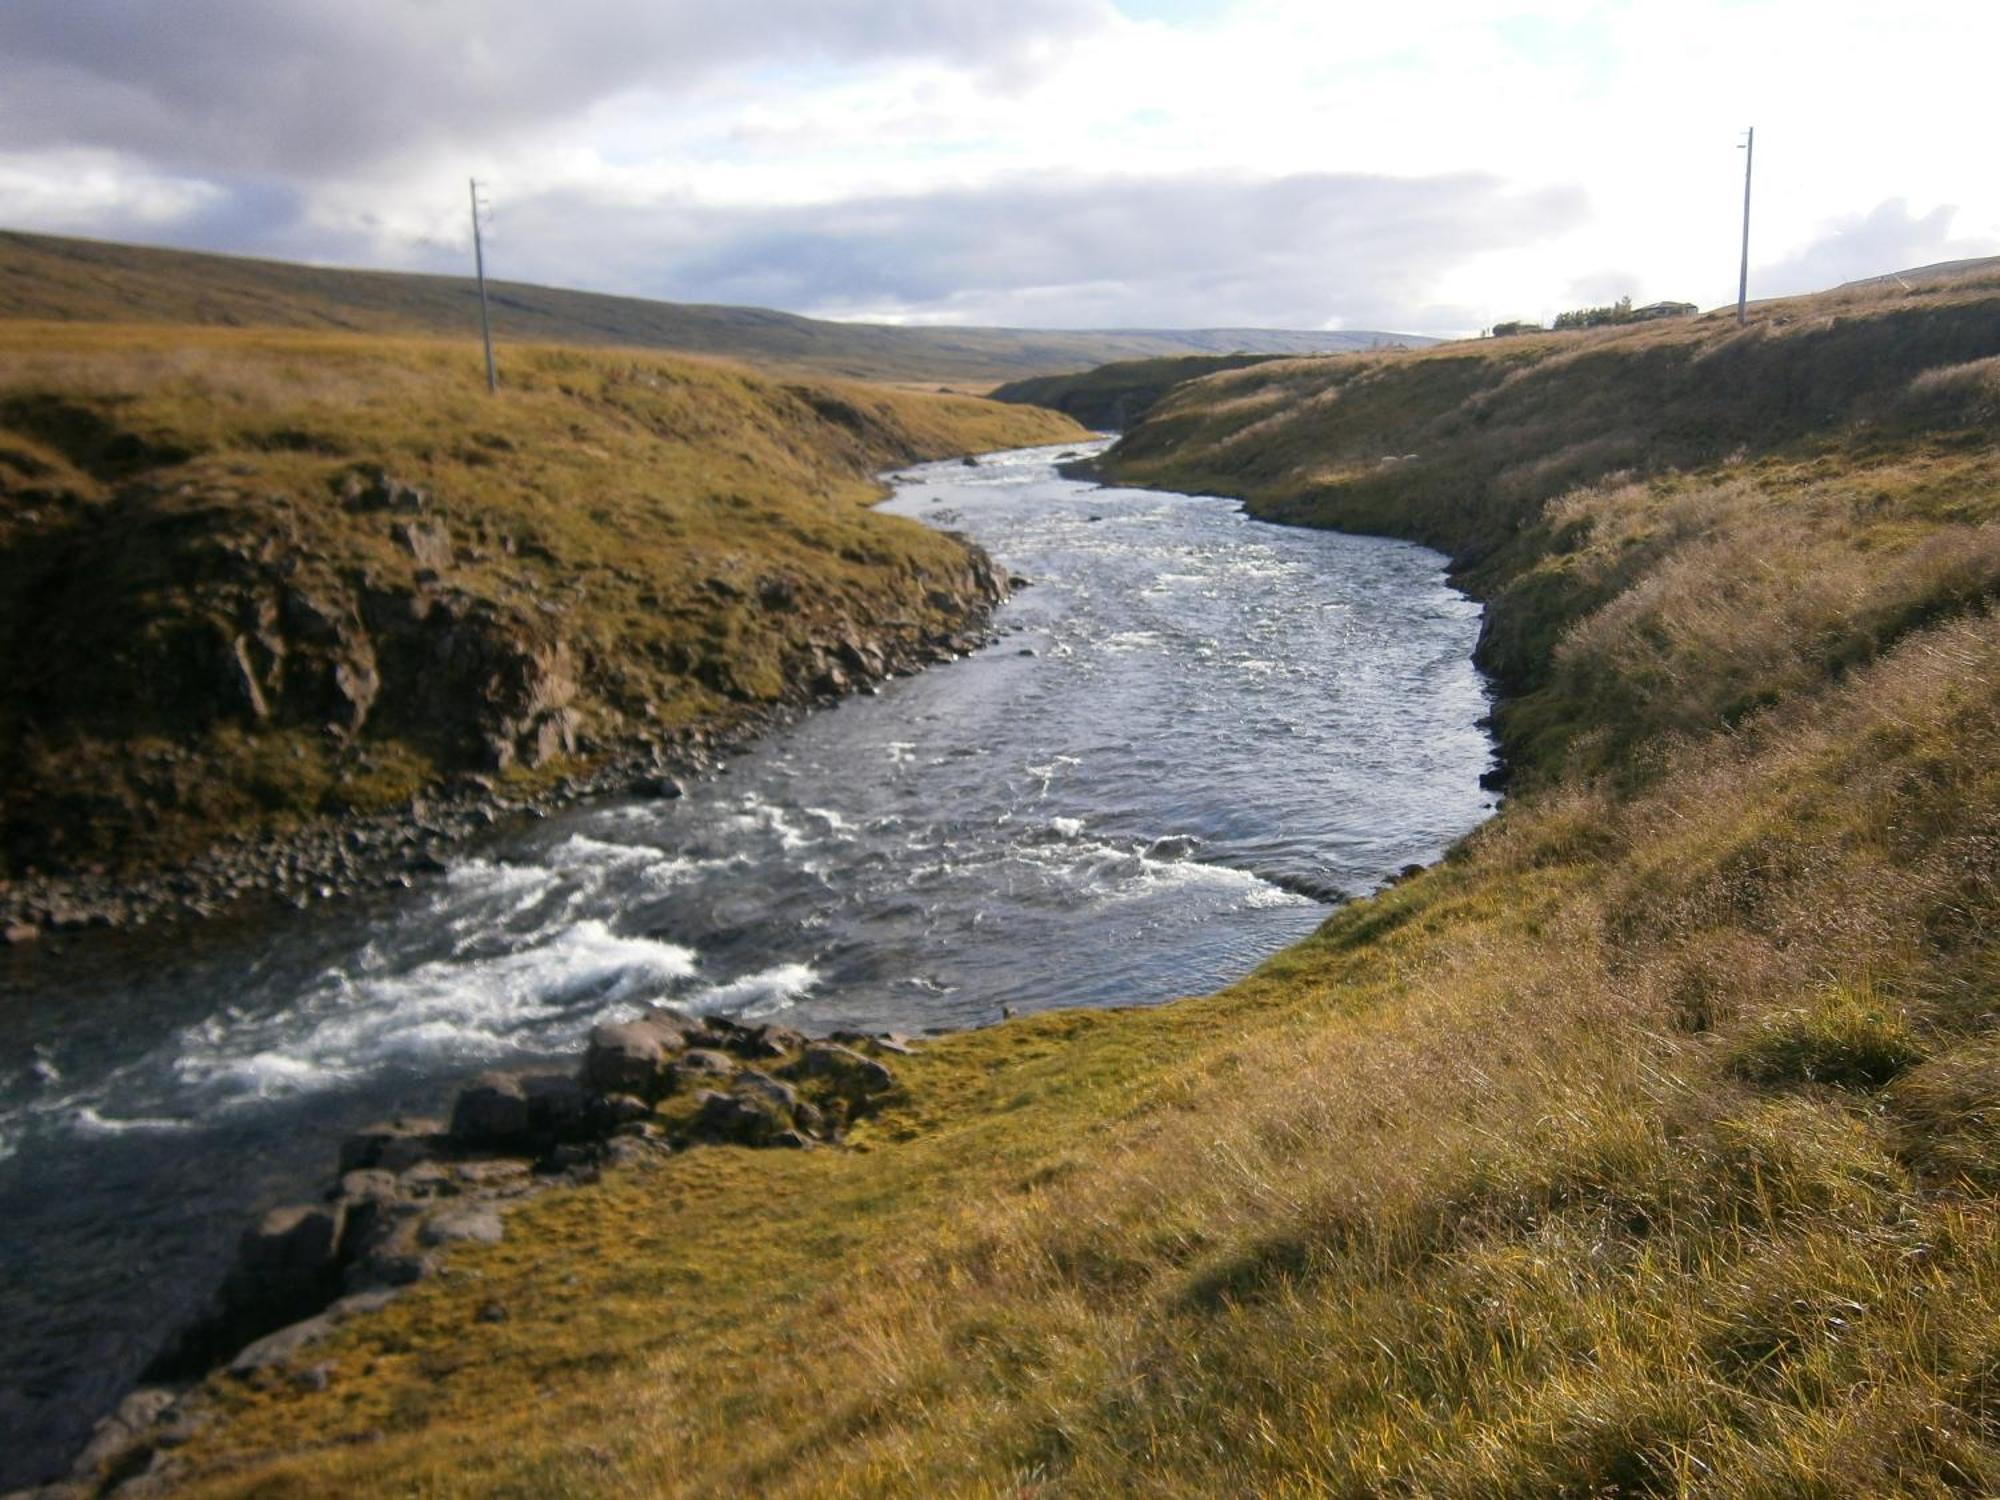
(43, 276)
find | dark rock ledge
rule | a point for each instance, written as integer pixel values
(409, 1189)
(346, 856)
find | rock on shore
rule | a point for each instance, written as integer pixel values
(410, 1188)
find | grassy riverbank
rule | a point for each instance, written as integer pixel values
(247, 578)
(1649, 1144)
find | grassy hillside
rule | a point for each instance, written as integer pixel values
(1840, 436)
(1114, 397)
(1648, 1145)
(48, 278)
(247, 577)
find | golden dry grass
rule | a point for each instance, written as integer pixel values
(630, 503)
(1646, 1146)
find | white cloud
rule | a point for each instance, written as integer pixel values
(859, 155)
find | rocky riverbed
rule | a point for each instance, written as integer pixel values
(1193, 724)
(409, 1189)
(342, 856)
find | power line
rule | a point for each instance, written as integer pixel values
(1748, 146)
(479, 263)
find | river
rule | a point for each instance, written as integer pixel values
(1193, 732)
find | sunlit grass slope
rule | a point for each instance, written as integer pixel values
(1648, 1145)
(197, 542)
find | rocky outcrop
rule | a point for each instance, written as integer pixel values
(412, 1188)
(256, 629)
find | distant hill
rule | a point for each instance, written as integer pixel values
(1938, 273)
(44, 276)
(1115, 396)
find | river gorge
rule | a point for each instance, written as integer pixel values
(1190, 735)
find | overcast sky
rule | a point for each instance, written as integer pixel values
(1423, 166)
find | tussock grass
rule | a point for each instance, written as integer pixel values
(1848, 1036)
(1645, 1146)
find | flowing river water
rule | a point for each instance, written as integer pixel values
(1193, 733)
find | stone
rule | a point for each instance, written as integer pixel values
(393, 1145)
(501, 1177)
(755, 1039)
(763, 1086)
(367, 1184)
(427, 1179)
(16, 934)
(741, 1119)
(387, 1269)
(558, 1105)
(302, 1238)
(425, 540)
(846, 1070)
(628, 1151)
(491, 1111)
(388, 1256)
(661, 788)
(278, 1348)
(358, 1304)
(316, 1377)
(630, 1057)
(698, 1066)
(364, 1194)
(379, 491)
(123, 1428)
(475, 1222)
(615, 1111)
(287, 1266)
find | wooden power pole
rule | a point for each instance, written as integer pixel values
(1749, 149)
(485, 318)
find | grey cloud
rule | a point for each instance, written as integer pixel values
(1886, 238)
(306, 87)
(1069, 251)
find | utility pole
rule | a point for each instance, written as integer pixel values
(1748, 146)
(485, 318)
